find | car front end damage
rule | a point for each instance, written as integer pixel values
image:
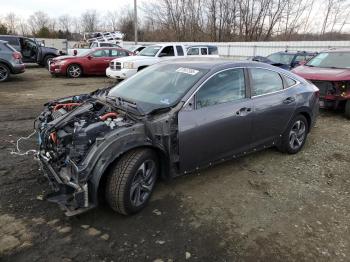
(72, 132)
(332, 93)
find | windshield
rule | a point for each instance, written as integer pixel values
(332, 59)
(281, 58)
(150, 51)
(158, 86)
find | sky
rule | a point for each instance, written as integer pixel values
(59, 7)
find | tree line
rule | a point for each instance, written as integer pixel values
(199, 20)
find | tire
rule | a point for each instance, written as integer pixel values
(131, 181)
(47, 60)
(4, 72)
(347, 109)
(74, 71)
(294, 138)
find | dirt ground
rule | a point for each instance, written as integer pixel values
(267, 206)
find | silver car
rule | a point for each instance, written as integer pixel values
(172, 118)
(10, 61)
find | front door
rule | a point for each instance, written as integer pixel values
(29, 50)
(274, 105)
(218, 123)
(99, 61)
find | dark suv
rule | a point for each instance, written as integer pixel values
(287, 59)
(32, 51)
(10, 61)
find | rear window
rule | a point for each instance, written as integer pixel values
(10, 40)
(10, 48)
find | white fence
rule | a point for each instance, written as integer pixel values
(241, 50)
(60, 44)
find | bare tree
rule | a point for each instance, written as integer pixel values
(11, 22)
(65, 22)
(90, 21)
(38, 20)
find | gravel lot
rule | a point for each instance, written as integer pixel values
(264, 207)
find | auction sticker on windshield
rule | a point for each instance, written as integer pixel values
(188, 71)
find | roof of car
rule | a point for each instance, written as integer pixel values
(335, 50)
(2, 42)
(295, 52)
(214, 62)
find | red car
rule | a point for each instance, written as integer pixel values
(90, 62)
(330, 72)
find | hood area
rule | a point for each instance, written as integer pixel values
(325, 74)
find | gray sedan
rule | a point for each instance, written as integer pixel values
(169, 119)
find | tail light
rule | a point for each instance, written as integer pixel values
(17, 55)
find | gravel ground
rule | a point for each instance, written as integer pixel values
(267, 206)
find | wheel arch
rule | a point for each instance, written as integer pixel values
(101, 169)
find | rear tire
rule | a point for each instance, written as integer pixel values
(347, 109)
(4, 72)
(294, 138)
(131, 181)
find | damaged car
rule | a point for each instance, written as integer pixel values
(173, 118)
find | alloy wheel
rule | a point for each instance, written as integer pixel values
(297, 135)
(74, 71)
(143, 183)
(3, 73)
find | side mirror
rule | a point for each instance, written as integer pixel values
(75, 52)
(89, 57)
(302, 62)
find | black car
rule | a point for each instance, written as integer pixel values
(31, 50)
(286, 60)
(172, 118)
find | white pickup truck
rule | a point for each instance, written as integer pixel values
(125, 67)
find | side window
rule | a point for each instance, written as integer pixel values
(300, 58)
(179, 50)
(168, 51)
(204, 51)
(290, 82)
(193, 51)
(116, 53)
(223, 87)
(93, 45)
(100, 53)
(10, 40)
(265, 81)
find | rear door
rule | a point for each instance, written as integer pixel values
(274, 104)
(216, 122)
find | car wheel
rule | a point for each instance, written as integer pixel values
(47, 60)
(74, 71)
(4, 73)
(295, 136)
(131, 181)
(347, 109)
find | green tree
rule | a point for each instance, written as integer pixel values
(44, 32)
(3, 30)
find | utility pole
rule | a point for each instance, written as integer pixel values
(135, 20)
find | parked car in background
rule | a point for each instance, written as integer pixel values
(122, 68)
(286, 60)
(330, 72)
(84, 46)
(10, 61)
(203, 50)
(31, 50)
(172, 118)
(90, 62)
(136, 48)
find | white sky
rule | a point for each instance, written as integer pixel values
(56, 8)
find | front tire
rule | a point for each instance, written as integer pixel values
(131, 181)
(47, 60)
(347, 109)
(294, 137)
(74, 71)
(4, 73)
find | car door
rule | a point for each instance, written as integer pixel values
(167, 52)
(216, 122)
(99, 61)
(273, 105)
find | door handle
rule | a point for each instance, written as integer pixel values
(289, 100)
(243, 111)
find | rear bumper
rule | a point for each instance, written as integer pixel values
(18, 68)
(70, 196)
(332, 101)
(120, 74)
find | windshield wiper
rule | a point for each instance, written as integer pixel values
(125, 103)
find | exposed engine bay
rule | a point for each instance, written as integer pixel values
(68, 128)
